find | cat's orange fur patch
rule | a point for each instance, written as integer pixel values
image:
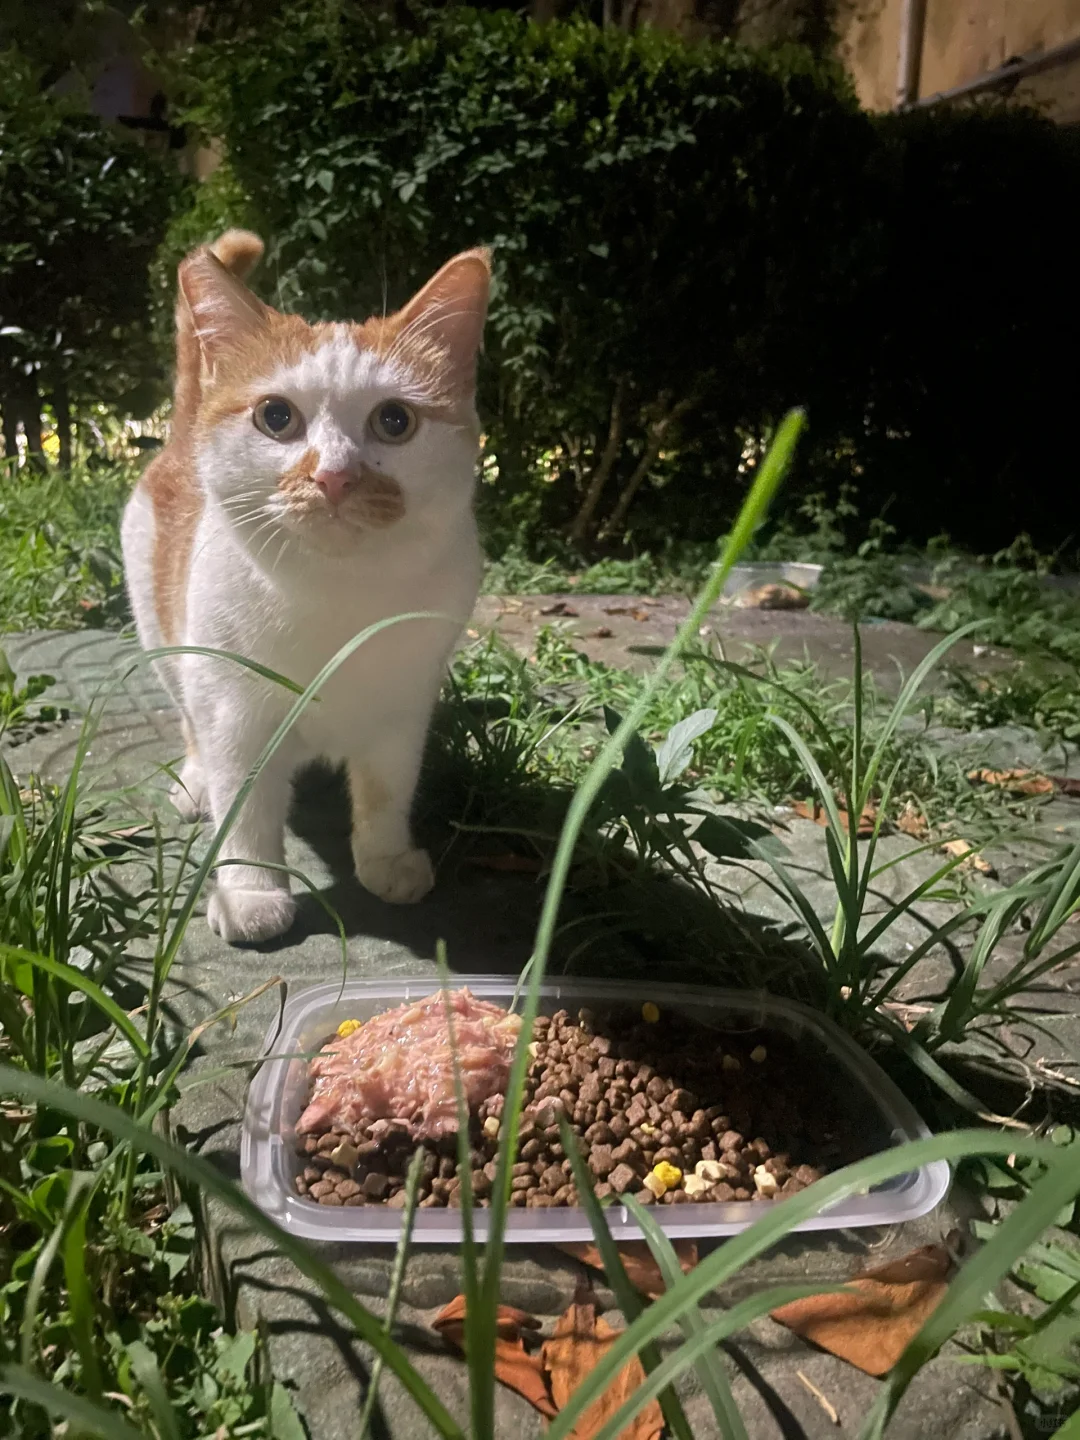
(367, 792)
(177, 504)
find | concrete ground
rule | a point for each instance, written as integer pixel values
(487, 920)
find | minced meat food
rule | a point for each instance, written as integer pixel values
(399, 1066)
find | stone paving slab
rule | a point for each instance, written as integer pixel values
(630, 631)
(488, 921)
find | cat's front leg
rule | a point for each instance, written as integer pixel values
(250, 902)
(382, 783)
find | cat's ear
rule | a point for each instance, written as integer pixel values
(224, 313)
(449, 312)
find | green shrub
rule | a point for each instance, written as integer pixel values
(85, 209)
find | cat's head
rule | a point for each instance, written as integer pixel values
(326, 433)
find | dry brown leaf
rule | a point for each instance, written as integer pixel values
(580, 1341)
(641, 1269)
(912, 822)
(602, 633)
(1017, 782)
(560, 608)
(812, 810)
(972, 860)
(509, 862)
(514, 1366)
(870, 1324)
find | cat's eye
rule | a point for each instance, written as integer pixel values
(393, 422)
(277, 418)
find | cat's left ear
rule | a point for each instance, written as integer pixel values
(450, 312)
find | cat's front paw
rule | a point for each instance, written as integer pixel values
(189, 793)
(400, 879)
(245, 917)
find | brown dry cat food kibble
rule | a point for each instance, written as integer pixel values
(638, 1095)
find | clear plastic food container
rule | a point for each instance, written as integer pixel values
(278, 1094)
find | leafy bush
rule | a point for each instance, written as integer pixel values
(84, 212)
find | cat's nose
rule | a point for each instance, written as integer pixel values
(334, 483)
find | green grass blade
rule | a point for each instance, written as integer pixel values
(42, 1265)
(397, 1279)
(481, 1311)
(814, 770)
(709, 1366)
(907, 694)
(145, 1369)
(209, 1180)
(274, 676)
(80, 1296)
(1060, 903)
(1070, 1430)
(82, 1414)
(976, 1279)
(78, 981)
(626, 1297)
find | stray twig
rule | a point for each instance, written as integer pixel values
(826, 1405)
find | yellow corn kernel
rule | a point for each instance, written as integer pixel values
(667, 1175)
(650, 1013)
(347, 1027)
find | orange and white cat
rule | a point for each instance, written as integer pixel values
(318, 478)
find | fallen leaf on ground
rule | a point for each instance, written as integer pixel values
(580, 1341)
(972, 860)
(603, 633)
(869, 1325)
(514, 1366)
(812, 810)
(559, 608)
(912, 822)
(641, 1269)
(1017, 782)
(523, 864)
